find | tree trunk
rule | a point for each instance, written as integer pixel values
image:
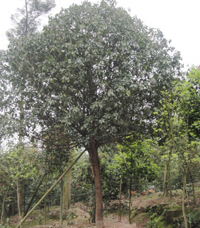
(2, 209)
(183, 198)
(165, 183)
(93, 211)
(169, 181)
(19, 198)
(45, 211)
(94, 159)
(24, 195)
(61, 203)
(120, 194)
(130, 186)
(45, 200)
(67, 191)
(193, 191)
(65, 195)
(139, 184)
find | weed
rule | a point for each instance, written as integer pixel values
(40, 218)
(5, 225)
(194, 220)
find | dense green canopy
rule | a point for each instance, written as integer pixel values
(93, 69)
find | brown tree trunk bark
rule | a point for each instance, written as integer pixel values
(61, 203)
(65, 195)
(94, 159)
(67, 191)
(120, 195)
(139, 181)
(19, 199)
(45, 201)
(2, 209)
(166, 175)
(183, 198)
(165, 182)
(170, 186)
(129, 213)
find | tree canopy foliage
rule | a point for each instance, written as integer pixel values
(94, 69)
(26, 19)
(26, 22)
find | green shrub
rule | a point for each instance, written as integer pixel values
(194, 219)
(156, 221)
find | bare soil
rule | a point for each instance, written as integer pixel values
(78, 216)
(82, 220)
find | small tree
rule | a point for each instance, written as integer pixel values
(17, 165)
(165, 129)
(181, 117)
(135, 160)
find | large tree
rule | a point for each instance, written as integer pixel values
(94, 70)
(26, 22)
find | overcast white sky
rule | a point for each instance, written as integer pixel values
(179, 20)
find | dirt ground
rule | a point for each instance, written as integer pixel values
(78, 216)
(82, 221)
